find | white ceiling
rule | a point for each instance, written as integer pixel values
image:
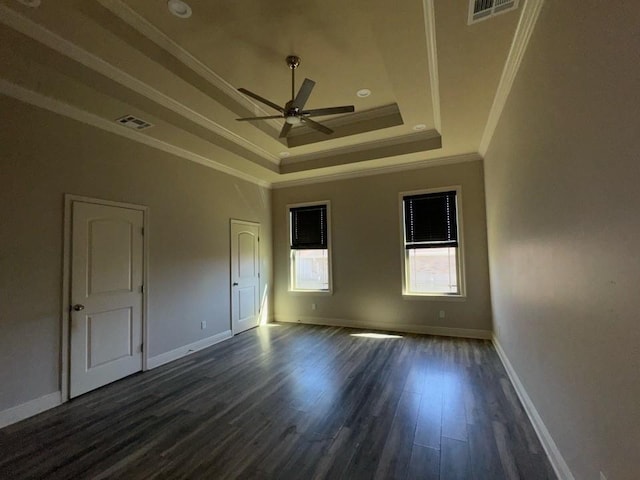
(97, 61)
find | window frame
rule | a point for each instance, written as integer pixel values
(291, 288)
(462, 290)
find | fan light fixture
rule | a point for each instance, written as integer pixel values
(364, 93)
(179, 8)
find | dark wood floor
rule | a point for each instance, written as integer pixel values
(293, 402)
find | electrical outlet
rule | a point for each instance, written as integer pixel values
(602, 477)
(313, 306)
(441, 315)
(203, 325)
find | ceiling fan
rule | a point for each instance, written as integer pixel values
(293, 112)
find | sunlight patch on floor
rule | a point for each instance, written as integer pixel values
(375, 335)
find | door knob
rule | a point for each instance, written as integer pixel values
(235, 284)
(77, 307)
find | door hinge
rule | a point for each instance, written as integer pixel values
(258, 274)
(142, 231)
(142, 347)
(141, 288)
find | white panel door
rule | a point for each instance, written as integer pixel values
(245, 276)
(106, 295)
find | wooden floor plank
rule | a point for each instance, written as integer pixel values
(292, 401)
(483, 453)
(396, 453)
(429, 423)
(454, 460)
(424, 463)
(454, 418)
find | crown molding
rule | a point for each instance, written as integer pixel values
(434, 162)
(364, 121)
(150, 31)
(432, 54)
(157, 36)
(373, 150)
(526, 24)
(360, 147)
(362, 115)
(56, 106)
(59, 44)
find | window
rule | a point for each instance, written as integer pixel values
(432, 247)
(309, 240)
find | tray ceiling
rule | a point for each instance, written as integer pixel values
(433, 78)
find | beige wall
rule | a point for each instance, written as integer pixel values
(367, 278)
(562, 177)
(42, 157)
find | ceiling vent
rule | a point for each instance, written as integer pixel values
(483, 9)
(133, 122)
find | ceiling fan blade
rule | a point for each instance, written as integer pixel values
(261, 99)
(316, 112)
(316, 125)
(285, 130)
(303, 93)
(250, 119)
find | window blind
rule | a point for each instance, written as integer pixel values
(430, 220)
(309, 227)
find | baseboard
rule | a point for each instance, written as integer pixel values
(180, 352)
(392, 327)
(555, 457)
(38, 405)
(29, 409)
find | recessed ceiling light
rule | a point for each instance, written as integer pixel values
(284, 154)
(30, 3)
(365, 92)
(179, 8)
(420, 126)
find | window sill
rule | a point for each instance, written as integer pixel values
(434, 297)
(311, 292)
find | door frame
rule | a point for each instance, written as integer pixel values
(65, 344)
(234, 221)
